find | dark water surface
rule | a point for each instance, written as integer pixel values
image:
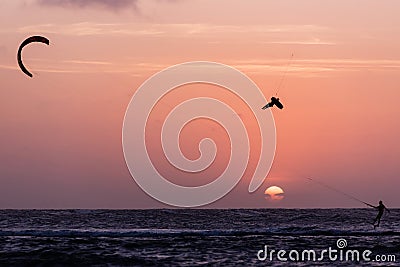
(192, 237)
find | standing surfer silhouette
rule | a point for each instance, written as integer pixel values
(381, 209)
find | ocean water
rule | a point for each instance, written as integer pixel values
(195, 237)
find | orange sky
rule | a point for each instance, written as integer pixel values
(61, 131)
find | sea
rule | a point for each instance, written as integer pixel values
(199, 237)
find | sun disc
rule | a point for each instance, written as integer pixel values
(274, 193)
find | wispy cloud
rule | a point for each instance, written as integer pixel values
(311, 41)
(8, 67)
(186, 29)
(316, 66)
(90, 28)
(210, 28)
(87, 62)
(354, 64)
(299, 67)
(88, 66)
(295, 69)
(107, 4)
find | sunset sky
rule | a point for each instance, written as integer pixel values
(60, 131)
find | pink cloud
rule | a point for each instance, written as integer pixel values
(108, 4)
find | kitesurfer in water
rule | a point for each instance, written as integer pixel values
(381, 209)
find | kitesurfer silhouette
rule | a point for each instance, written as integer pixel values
(381, 209)
(274, 101)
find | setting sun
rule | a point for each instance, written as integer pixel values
(274, 193)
